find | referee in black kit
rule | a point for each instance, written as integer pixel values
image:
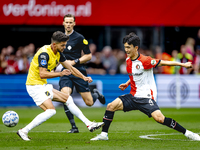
(73, 53)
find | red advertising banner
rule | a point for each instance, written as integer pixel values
(101, 12)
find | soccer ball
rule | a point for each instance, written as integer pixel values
(10, 118)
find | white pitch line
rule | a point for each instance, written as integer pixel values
(149, 137)
(31, 131)
(54, 132)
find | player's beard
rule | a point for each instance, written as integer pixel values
(61, 50)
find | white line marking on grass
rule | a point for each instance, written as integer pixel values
(149, 137)
(32, 131)
(152, 137)
(58, 131)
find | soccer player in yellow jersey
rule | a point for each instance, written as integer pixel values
(44, 61)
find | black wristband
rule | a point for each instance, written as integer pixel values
(77, 61)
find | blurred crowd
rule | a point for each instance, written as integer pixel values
(16, 61)
(108, 60)
(188, 52)
(112, 61)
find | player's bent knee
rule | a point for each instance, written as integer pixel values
(159, 119)
(89, 103)
(65, 97)
(110, 107)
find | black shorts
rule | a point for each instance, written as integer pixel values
(145, 105)
(71, 81)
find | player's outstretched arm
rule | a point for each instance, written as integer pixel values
(44, 74)
(173, 63)
(75, 71)
(85, 58)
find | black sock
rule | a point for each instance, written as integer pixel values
(94, 96)
(173, 124)
(70, 116)
(107, 119)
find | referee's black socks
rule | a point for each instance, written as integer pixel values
(94, 97)
(70, 116)
(173, 124)
(107, 119)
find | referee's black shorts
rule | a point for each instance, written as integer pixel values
(71, 81)
(145, 105)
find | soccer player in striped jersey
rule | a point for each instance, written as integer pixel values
(44, 61)
(143, 89)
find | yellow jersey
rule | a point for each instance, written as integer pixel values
(46, 58)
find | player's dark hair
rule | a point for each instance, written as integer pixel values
(68, 15)
(58, 37)
(132, 38)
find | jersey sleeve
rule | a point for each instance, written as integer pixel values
(85, 46)
(149, 62)
(62, 57)
(43, 59)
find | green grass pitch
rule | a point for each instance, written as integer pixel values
(125, 131)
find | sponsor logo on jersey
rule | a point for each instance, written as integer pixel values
(153, 62)
(43, 56)
(69, 47)
(137, 66)
(47, 93)
(135, 74)
(85, 42)
(43, 62)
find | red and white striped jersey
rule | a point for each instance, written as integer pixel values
(140, 72)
